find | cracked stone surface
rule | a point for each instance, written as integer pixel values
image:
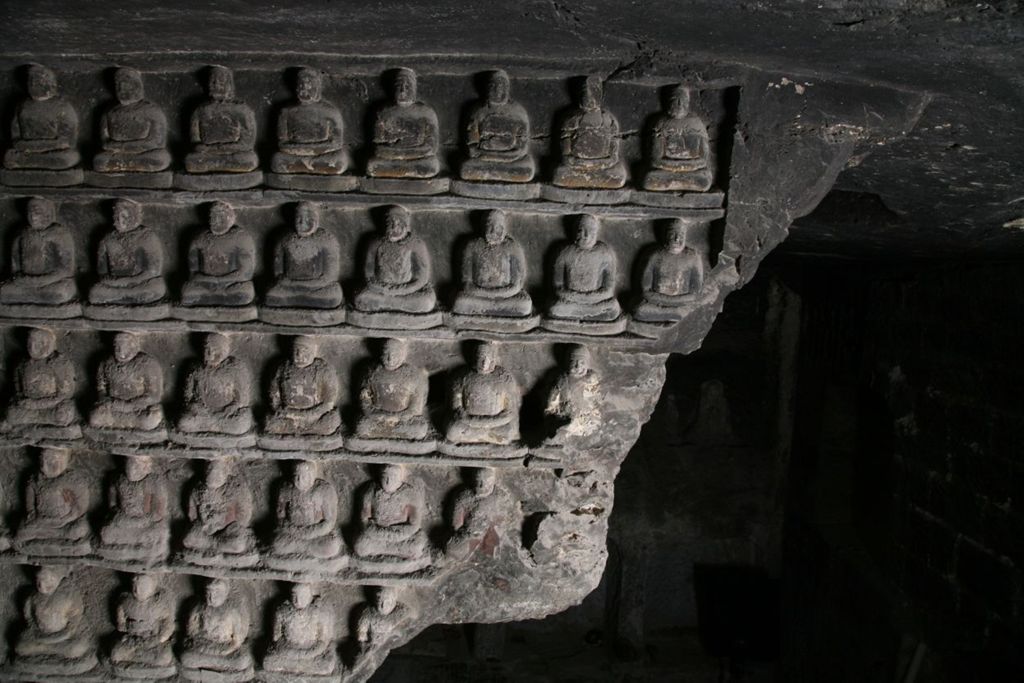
(310, 478)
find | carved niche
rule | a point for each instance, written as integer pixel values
(347, 330)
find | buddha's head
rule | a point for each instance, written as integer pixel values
(392, 477)
(587, 231)
(679, 102)
(302, 595)
(126, 346)
(221, 83)
(405, 86)
(396, 225)
(307, 218)
(222, 217)
(137, 467)
(48, 579)
(216, 349)
(309, 85)
(675, 236)
(217, 592)
(128, 85)
(305, 474)
(218, 472)
(304, 351)
(498, 87)
(484, 481)
(486, 358)
(54, 461)
(144, 586)
(393, 354)
(579, 361)
(127, 215)
(386, 599)
(497, 227)
(41, 344)
(593, 93)
(41, 213)
(42, 83)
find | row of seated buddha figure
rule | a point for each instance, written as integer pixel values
(304, 400)
(311, 152)
(397, 292)
(391, 538)
(216, 641)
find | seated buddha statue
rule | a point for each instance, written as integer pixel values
(145, 623)
(222, 131)
(220, 510)
(406, 141)
(56, 639)
(584, 280)
(44, 136)
(493, 277)
(671, 279)
(42, 281)
(310, 140)
(498, 137)
(392, 404)
(216, 644)
(129, 388)
(398, 292)
(221, 263)
(130, 266)
(218, 398)
(590, 142)
(133, 138)
(392, 537)
(307, 269)
(572, 402)
(302, 638)
(44, 392)
(138, 528)
(56, 504)
(306, 537)
(304, 396)
(485, 402)
(680, 149)
(476, 517)
(382, 618)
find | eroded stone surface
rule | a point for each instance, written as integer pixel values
(477, 479)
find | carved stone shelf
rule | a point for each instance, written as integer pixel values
(518, 537)
(348, 576)
(695, 205)
(541, 457)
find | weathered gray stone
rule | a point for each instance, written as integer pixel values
(220, 510)
(307, 265)
(43, 404)
(216, 648)
(138, 529)
(130, 265)
(55, 641)
(146, 623)
(133, 134)
(398, 292)
(56, 503)
(44, 136)
(42, 282)
(129, 387)
(523, 535)
(223, 136)
(306, 538)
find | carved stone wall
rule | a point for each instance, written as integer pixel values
(537, 291)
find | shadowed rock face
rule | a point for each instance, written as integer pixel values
(455, 371)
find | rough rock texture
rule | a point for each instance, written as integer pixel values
(555, 430)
